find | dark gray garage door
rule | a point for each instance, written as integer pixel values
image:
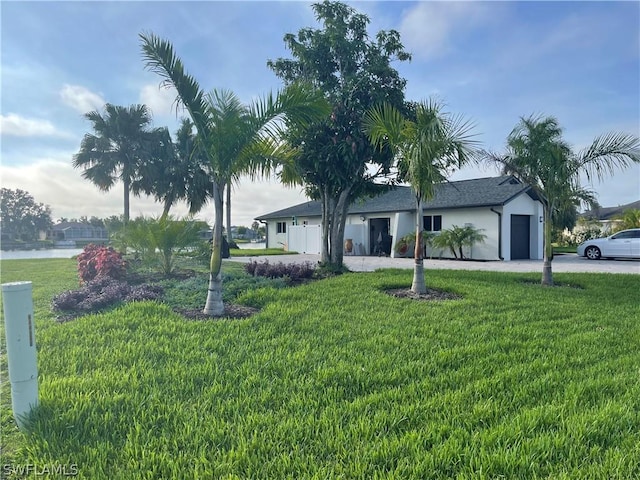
(520, 237)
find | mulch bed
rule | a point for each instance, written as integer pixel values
(431, 295)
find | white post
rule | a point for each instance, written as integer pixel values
(19, 328)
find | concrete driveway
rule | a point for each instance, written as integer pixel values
(561, 263)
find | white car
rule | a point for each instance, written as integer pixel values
(625, 243)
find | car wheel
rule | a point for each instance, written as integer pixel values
(592, 253)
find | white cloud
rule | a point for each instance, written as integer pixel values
(18, 126)
(427, 29)
(159, 100)
(54, 182)
(81, 98)
(251, 199)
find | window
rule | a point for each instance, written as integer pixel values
(432, 223)
(281, 227)
(627, 234)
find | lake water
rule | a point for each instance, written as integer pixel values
(251, 245)
(31, 254)
(71, 252)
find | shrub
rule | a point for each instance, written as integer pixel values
(584, 234)
(294, 271)
(144, 292)
(156, 241)
(456, 237)
(191, 293)
(406, 244)
(102, 292)
(100, 261)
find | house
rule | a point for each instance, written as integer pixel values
(607, 216)
(508, 212)
(77, 234)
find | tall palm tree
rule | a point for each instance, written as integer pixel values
(176, 170)
(120, 142)
(538, 156)
(428, 146)
(227, 133)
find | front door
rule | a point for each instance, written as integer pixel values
(520, 237)
(379, 238)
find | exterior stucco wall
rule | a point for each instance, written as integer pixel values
(524, 205)
(403, 222)
(480, 218)
(366, 226)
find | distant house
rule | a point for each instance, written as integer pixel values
(248, 233)
(508, 212)
(606, 216)
(77, 233)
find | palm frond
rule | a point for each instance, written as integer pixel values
(162, 60)
(384, 126)
(608, 153)
(298, 104)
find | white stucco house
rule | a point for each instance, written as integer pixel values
(508, 212)
(607, 216)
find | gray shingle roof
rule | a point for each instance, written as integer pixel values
(606, 213)
(479, 192)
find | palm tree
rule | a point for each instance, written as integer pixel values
(228, 134)
(539, 157)
(455, 238)
(120, 143)
(428, 146)
(176, 170)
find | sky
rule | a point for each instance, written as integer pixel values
(492, 62)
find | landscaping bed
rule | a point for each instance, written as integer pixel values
(337, 379)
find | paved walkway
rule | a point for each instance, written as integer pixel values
(561, 263)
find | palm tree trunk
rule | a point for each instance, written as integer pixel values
(418, 284)
(166, 208)
(214, 305)
(127, 186)
(228, 211)
(547, 274)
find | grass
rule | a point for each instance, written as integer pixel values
(564, 249)
(335, 379)
(254, 252)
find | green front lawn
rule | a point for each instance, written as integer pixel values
(564, 249)
(336, 379)
(255, 252)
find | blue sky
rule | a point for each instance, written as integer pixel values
(493, 62)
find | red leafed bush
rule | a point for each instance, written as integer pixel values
(100, 261)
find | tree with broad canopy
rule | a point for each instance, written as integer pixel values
(334, 160)
(21, 217)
